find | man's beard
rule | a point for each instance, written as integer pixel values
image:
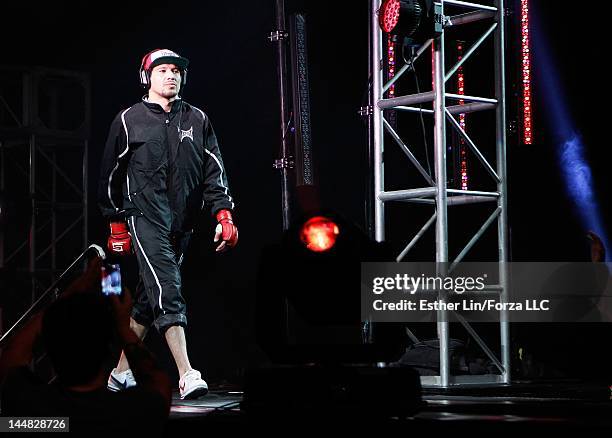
(169, 93)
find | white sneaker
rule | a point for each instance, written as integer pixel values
(191, 385)
(120, 381)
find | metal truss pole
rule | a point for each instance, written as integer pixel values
(367, 114)
(284, 162)
(2, 173)
(85, 191)
(32, 234)
(377, 121)
(376, 219)
(441, 195)
(500, 141)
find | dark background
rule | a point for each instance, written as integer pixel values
(232, 77)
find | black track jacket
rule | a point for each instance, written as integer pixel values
(164, 166)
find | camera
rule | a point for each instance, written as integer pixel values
(111, 279)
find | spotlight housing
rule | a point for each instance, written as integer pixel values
(414, 20)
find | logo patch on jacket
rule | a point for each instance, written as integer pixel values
(183, 134)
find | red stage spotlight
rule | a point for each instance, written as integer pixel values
(307, 292)
(319, 234)
(388, 15)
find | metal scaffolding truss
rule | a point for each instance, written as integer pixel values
(445, 106)
(44, 130)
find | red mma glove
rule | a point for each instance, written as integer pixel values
(225, 230)
(120, 240)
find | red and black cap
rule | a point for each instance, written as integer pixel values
(163, 56)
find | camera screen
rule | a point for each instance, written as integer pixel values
(111, 280)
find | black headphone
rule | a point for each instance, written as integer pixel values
(145, 74)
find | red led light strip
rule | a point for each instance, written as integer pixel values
(391, 63)
(526, 72)
(391, 54)
(461, 91)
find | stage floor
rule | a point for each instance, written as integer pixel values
(544, 406)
